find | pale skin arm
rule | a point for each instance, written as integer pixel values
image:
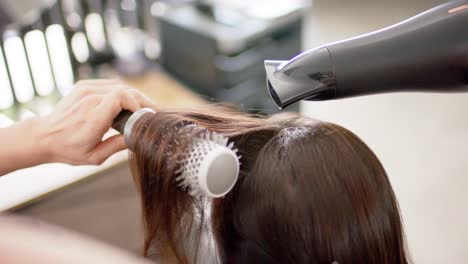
(73, 132)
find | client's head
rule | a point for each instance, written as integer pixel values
(308, 192)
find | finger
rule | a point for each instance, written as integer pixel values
(106, 148)
(128, 101)
(98, 82)
(89, 102)
(113, 103)
(86, 90)
(80, 92)
(142, 99)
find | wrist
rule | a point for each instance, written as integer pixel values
(21, 146)
(40, 140)
(33, 142)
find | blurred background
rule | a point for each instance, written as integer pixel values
(421, 139)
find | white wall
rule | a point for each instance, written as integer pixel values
(421, 139)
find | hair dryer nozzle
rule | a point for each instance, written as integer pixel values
(270, 68)
(308, 76)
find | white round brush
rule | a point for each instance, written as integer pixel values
(210, 167)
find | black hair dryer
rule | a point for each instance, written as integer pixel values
(426, 53)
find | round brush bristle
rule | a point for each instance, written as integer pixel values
(210, 167)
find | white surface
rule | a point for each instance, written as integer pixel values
(22, 186)
(421, 139)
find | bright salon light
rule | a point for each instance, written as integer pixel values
(39, 61)
(122, 39)
(19, 69)
(80, 47)
(60, 58)
(159, 8)
(70, 10)
(44, 109)
(128, 5)
(125, 42)
(74, 20)
(94, 26)
(6, 95)
(152, 48)
(5, 121)
(25, 114)
(265, 10)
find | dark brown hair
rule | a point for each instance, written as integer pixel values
(308, 192)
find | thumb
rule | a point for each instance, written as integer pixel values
(107, 148)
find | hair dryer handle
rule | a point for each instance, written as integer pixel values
(427, 53)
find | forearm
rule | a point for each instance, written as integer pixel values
(73, 132)
(20, 146)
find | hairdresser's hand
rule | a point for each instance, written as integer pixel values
(74, 132)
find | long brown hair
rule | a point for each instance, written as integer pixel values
(308, 192)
